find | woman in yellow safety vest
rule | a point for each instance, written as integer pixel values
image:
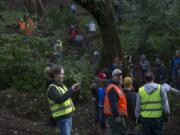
(59, 98)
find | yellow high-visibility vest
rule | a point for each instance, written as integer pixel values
(63, 108)
(151, 104)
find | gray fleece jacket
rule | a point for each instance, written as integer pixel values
(150, 87)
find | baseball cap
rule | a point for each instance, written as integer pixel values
(102, 76)
(116, 72)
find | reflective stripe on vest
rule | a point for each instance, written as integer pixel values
(122, 104)
(151, 104)
(60, 109)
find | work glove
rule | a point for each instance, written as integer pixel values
(118, 120)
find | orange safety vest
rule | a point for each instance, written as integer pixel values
(22, 25)
(122, 104)
(30, 27)
(31, 23)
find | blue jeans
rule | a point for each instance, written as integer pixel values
(101, 117)
(65, 125)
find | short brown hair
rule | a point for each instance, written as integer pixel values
(149, 76)
(54, 71)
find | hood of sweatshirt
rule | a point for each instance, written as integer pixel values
(150, 87)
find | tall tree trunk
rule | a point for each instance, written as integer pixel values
(31, 6)
(103, 12)
(35, 6)
(42, 7)
(143, 42)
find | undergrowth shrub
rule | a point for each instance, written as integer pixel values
(23, 60)
(22, 63)
(57, 18)
(79, 71)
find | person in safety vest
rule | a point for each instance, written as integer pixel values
(21, 26)
(115, 105)
(151, 106)
(59, 98)
(29, 26)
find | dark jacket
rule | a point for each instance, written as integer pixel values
(54, 95)
(94, 90)
(131, 103)
(113, 97)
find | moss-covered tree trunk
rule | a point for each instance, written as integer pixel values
(103, 12)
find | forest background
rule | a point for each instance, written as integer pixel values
(148, 27)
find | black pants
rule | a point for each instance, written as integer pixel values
(152, 126)
(116, 128)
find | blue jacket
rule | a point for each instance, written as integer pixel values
(175, 61)
(101, 95)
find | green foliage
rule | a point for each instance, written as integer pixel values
(151, 27)
(23, 58)
(57, 18)
(21, 62)
(2, 5)
(79, 71)
(11, 17)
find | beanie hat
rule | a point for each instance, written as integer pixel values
(127, 81)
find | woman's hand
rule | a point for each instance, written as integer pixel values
(76, 87)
